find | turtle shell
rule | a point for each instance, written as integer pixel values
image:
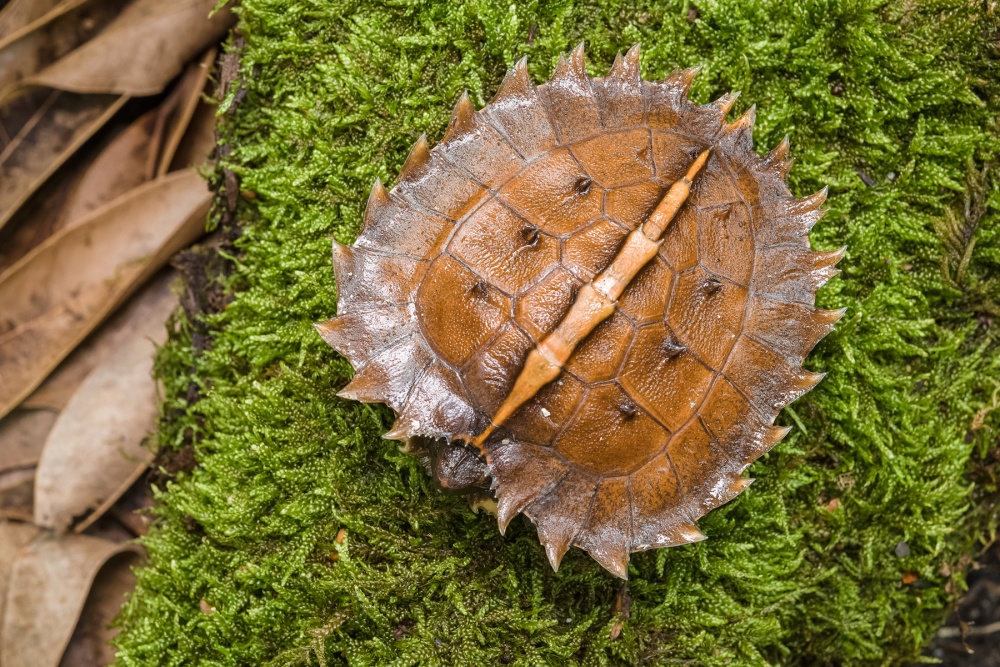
(479, 251)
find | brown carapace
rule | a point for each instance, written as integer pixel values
(592, 298)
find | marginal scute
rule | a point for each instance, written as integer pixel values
(788, 221)
(658, 513)
(607, 534)
(560, 514)
(737, 426)
(650, 418)
(518, 113)
(793, 274)
(474, 146)
(435, 406)
(419, 156)
(667, 101)
(777, 160)
(389, 376)
(766, 378)
(437, 185)
(571, 99)
(523, 473)
(463, 119)
(722, 105)
(368, 279)
(621, 92)
(790, 329)
(358, 336)
(390, 223)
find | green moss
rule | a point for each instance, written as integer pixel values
(905, 93)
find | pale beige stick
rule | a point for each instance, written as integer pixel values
(595, 302)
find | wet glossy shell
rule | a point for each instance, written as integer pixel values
(478, 251)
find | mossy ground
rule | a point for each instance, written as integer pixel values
(901, 95)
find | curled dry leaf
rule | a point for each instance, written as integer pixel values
(118, 168)
(52, 580)
(23, 15)
(16, 491)
(198, 143)
(95, 452)
(185, 102)
(14, 536)
(140, 152)
(60, 292)
(57, 130)
(132, 509)
(32, 46)
(141, 51)
(136, 154)
(142, 318)
(37, 219)
(138, 53)
(90, 644)
(22, 434)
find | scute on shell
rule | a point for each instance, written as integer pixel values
(478, 251)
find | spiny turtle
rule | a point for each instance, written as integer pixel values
(592, 297)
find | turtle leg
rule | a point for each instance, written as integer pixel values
(454, 466)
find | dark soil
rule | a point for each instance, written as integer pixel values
(971, 638)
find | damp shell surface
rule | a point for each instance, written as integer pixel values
(483, 246)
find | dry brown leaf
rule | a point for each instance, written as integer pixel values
(129, 158)
(35, 221)
(187, 100)
(51, 582)
(116, 170)
(22, 435)
(196, 146)
(141, 51)
(33, 46)
(20, 14)
(59, 127)
(90, 644)
(95, 452)
(14, 536)
(16, 493)
(15, 114)
(135, 155)
(60, 292)
(143, 317)
(132, 509)
(109, 528)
